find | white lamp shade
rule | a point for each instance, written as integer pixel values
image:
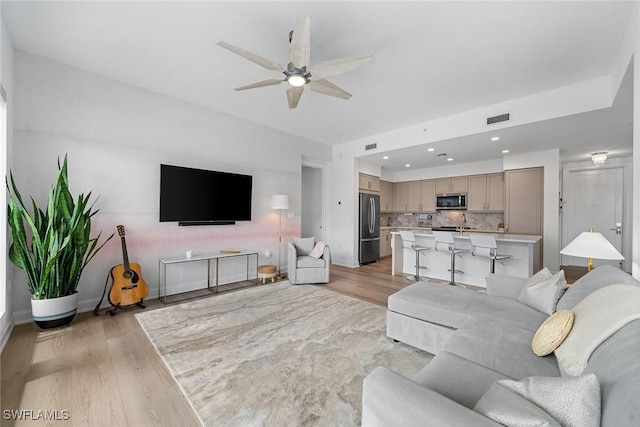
(591, 245)
(279, 201)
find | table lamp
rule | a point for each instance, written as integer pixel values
(590, 245)
(280, 202)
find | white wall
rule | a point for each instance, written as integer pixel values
(342, 208)
(635, 251)
(635, 263)
(369, 169)
(628, 56)
(116, 136)
(311, 210)
(6, 79)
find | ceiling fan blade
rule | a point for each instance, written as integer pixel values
(263, 83)
(300, 47)
(327, 88)
(326, 69)
(263, 62)
(293, 95)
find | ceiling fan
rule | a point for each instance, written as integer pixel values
(296, 73)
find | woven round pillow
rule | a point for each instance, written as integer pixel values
(552, 332)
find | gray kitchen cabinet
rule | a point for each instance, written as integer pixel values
(386, 196)
(385, 243)
(428, 188)
(401, 197)
(414, 196)
(369, 184)
(524, 191)
(455, 184)
(486, 193)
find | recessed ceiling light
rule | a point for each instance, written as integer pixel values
(450, 159)
(386, 157)
(495, 138)
(430, 149)
(505, 151)
(407, 165)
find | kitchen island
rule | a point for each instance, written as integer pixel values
(525, 249)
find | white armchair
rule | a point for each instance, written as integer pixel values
(303, 268)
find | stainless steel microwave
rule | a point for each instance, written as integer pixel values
(451, 201)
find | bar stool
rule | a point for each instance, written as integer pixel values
(485, 245)
(408, 236)
(445, 238)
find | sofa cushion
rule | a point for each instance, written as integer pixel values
(543, 290)
(452, 306)
(552, 332)
(616, 364)
(310, 262)
(304, 245)
(597, 278)
(572, 402)
(501, 347)
(458, 379)
(598, 316)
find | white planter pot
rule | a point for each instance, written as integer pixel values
(55, 312)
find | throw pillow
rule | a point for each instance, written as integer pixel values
(570, 401)
(543, 290)
(510, 409)
(303, 245)
(318, 250)
(597, 317)
(541, 275)
(552, 332)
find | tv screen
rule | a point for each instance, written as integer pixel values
(197, 196)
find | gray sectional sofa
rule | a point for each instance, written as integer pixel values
(478, 339)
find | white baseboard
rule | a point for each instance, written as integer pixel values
(6, 333)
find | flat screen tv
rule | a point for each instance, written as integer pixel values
(201, 197)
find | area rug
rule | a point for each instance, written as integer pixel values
(276, 355)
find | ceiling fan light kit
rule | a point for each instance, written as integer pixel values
(296, 73)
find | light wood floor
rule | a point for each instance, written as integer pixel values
(105, 372)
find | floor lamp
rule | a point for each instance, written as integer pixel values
(591, 245)
(280, 202)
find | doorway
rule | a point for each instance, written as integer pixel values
(595, 197)
(312, 212)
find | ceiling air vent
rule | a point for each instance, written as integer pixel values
(371, 146)
(498, 119)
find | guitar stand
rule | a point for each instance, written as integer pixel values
(112, 310)
(115, 308)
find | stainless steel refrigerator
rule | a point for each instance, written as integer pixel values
(369, 228)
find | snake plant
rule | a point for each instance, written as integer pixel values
(54, 246)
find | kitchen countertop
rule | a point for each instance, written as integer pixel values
(405, 228)
(521, 238)
(470, 230)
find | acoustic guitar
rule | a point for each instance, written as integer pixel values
(128, 285)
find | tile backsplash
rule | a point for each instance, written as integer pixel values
(476, 220)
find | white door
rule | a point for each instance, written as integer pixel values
(312, 207)
(593, 199)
